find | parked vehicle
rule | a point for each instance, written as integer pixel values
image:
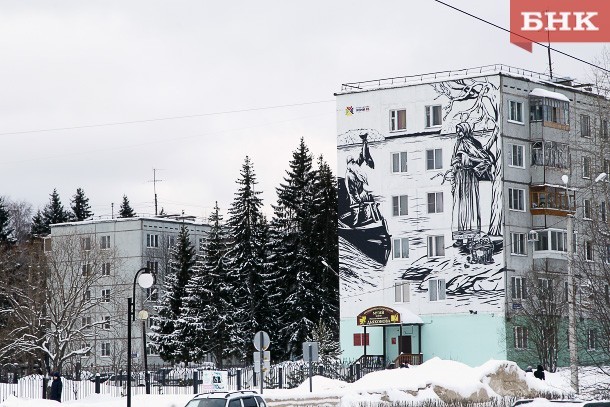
(541, 402)
(242, 398)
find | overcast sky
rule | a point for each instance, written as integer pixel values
(65, 64)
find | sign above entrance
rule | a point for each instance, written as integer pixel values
(378, 316)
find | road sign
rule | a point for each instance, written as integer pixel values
(310, 351)
(261, 340)
(266, 361)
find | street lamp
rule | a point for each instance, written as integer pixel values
(572, 340)
(145, 280)
(143, 316)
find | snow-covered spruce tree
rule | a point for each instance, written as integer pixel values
(207, 304)
(39, 228)
(80, 206)
(166, 333)
(295, 256)
(125, 211)
(247, 276)
(54, 212)
(326, 244)
(5, 219)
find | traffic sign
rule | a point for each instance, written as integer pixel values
(310, 351)
(256, 356)
(261, 340)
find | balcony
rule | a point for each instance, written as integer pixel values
(552, 200)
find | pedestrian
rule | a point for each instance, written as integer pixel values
(539, 373)
(56, 387)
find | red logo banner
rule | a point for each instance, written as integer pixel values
(559, 21)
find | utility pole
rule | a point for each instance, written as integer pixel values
(154, 181)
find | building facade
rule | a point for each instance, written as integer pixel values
(450, 198)
(109, 254)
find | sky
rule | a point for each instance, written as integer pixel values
(97, 94)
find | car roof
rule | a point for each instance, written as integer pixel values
(226, 394)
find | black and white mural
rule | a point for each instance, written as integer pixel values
(458, 242)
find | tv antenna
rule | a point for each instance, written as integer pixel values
(154, 181)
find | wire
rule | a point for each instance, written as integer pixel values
(521, 36)
(86, 126)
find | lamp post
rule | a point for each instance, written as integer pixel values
(145, 280)
(143, 316)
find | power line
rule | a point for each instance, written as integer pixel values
(87, 126)
(521, 36)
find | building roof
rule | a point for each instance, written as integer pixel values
(189, 220)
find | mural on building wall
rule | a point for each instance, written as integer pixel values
(471, 263)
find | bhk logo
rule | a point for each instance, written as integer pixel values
(559, 21)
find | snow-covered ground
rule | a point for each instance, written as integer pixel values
(436, 379)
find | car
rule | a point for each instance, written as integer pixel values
(541, 402)
(240, 398)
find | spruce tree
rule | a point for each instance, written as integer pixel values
(125, 211)
(247, 274)
(296, 258)
(167, 333)
(5, 230)
(39, 227)
(52, 213)
(207, 305)
(80, 206)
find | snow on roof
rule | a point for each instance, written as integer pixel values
(548, 94)
(408, 317)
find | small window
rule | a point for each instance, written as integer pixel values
(588, 248)
(171, 240)
(106, 349)
(435, 202)
(47, 246)
(516, 199)
(515, 112)
(86, 270)
(151, 350)
(106, 323)
(402, 292)
(105, 242)
(604, 129)
(398, 120)
(401, 248)
(520, 337)
(586, 167)
(152, 240)
(434, 159)
(361, 339)
(105, 269)
(437, 290)
(400, 205)
(517, 288)
(399, 162)
(249, 402)
(87, 295)
(85, 322)
(515, 155)
(518, 243)
(545, 286)
(602, 212)
(85, 243)
(152, 266)
(607, 293)
(586, 208)
(433, 116)
(591, 339)
(436, 246)
(106, 295)
(585, 126)
(152, 294)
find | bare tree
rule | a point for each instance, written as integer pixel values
(21, 219)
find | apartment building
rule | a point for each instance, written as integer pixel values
(110, 252)
(451, 195)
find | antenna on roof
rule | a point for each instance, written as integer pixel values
(154, 181)
(548, 49)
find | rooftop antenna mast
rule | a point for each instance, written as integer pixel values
(154, 181)
(548, 49)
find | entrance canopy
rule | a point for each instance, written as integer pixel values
(380, 316)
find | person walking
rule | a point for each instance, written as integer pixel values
(56, 387)
(539, 373)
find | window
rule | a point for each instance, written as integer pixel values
(400, 205)
(604, 129)
(399, 162)
(106, 295)
(437, 290)
(586, 208)
(88, 352)
(86, 270)
(87, 295)
(361, 339)
(85, 322)
(402, 292)
(105, 269)
(152, 294)
(398, 120)
(47, 244)
(517, 288)
(607, 294)
(586, 167)
(536, 111)
(520, 337)
(588, 247)
(85, 243)
(434, 159)
(555, 240)
(545, 287)
(401, 248)
(516, 199)
(602, 212)
(171, 240)
(518, 243)
(585, 126)
(515, 111)
(152, 266)
(433, 116)
(591, 339)
(436, 246)
(105, 242)
(435, 202)
(549, 110)
(151, 350)
(515, 155)
(106, 323)
(106, 349)
(152, 240)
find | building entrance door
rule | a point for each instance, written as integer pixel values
(404, 344)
